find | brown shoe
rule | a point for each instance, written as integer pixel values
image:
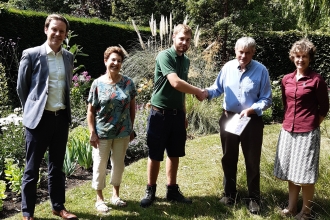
(65, 214)
(28, 218)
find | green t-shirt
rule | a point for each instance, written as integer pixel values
(164, 95)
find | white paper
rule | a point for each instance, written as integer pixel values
(236, 125)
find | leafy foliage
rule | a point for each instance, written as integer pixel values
(4, 101)
(84, 152)
(78, 95)
(9, 62)
(137, 148)
(203, 116)
(312, 15)
(80, 84)
(70, 161)
(14, 175)
(144, 89)
(2, 193)
(12, 139)
(80, 149)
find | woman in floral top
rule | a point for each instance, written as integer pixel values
(110, 116)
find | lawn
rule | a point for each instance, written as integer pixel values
(200, 178)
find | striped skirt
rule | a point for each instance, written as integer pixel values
(297, 156)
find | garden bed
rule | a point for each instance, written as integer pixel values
(12, 204)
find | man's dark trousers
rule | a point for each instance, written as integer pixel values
(251, 143)
(52, 133)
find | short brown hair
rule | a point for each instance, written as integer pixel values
(182, 27)
(303, 46)
(57, 17)
(113, 49)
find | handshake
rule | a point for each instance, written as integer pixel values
(202, 94)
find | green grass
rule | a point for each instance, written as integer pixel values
(200, 178)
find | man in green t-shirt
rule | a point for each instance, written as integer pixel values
(167, 120)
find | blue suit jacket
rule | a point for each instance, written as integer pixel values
(32, 83)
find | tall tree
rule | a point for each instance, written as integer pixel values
(311, 14)
(141, 10)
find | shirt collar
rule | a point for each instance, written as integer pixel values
(248, 66)
(308, 75)
(50, 51)
(173, 51)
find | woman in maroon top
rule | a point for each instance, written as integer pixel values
(306, 103)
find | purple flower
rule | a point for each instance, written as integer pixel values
(75, 78)
(76, 84)
(85, 73)
(88, 78)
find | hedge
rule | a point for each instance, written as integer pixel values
(95, 35)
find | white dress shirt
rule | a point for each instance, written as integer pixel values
(56, 80)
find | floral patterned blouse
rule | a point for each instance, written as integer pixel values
(112, 107)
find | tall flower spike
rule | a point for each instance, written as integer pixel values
(196, 36)
(155, 28)
(139, 35)
(170, 31)
(151, 24)
(185, 20)
(125, 52)
(166, 26)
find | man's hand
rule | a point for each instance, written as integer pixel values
(203, 95)
(247, 112)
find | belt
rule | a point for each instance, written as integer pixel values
(55, 113)
(228, 112)
(165, 111)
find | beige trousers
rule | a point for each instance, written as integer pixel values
(118, 148)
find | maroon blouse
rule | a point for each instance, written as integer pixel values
(304, 100)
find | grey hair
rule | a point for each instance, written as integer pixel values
(246, 42)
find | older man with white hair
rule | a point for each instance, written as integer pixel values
(246, 87)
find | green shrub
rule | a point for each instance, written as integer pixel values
(12, 138)
(203, 117)
(277, 108)
(144, 90)
(4, 91)
(2, 193)
(14, 175)
(137, 148)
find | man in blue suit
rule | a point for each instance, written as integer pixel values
(43, 87)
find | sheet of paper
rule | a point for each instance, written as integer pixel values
(236, 125)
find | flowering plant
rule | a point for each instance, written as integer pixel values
(145, 89)
(81, 84)
(82, 80)
(11, 137)
(79, 92)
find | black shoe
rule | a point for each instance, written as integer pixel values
(149, 198)
(174, 194)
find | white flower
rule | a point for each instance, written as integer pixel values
(12, 118)
(17, 110)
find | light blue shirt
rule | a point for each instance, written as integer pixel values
(243, 90)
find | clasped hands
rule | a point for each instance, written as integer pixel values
(202, 94)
